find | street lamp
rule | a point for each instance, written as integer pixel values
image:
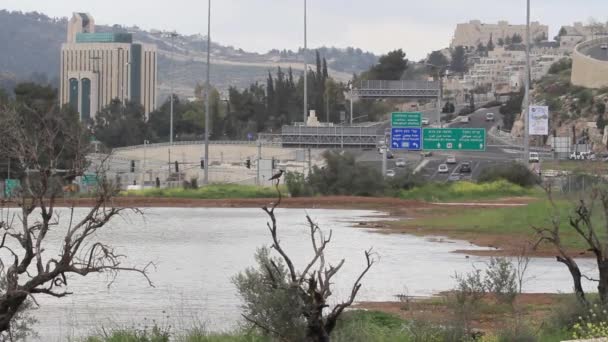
(527, 87)
(440, 72)
(171, 35)
(305, 70)
(207, 91)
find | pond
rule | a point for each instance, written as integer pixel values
(198, 251)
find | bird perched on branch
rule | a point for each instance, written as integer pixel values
(277, 175)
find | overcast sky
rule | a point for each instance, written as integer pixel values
(417, 27)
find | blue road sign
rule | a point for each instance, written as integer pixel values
(250, 136)
(406, 138)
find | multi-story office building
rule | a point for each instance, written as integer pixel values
(99, 67)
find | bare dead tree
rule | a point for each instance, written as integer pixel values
(581, 220)
(50, 151)
(314, 283)
(522, 261)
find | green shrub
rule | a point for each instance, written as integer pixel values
(563, 64)
(341, 175)
(297, 185)
(464, 191)
(592, 324)
(517, 332)
(515, 173)
(155, 334)
(278, 308)
(500, 280)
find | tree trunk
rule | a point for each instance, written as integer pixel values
(602, 286)
(575, 272)
(9, 306)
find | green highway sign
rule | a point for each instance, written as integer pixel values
(407, 119)
(465, 139)
(89, 179)
(10, 186)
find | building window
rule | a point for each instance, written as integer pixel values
(73, 94)
(85, 114)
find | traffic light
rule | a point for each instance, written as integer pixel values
(132, 166)
(176, 166)
(202, 163)
(248, 163)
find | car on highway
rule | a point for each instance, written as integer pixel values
(425, 121)
(464, 119)
(534, 157)
(390, 173)
(450, 160)
(389, 155)
(426, 153)
(489, 116)
(465, 167)
(381, 149)
(400, 162)
(443, 168)
(604, 46)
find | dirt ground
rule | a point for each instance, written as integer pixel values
(533, 308)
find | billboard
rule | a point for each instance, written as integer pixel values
(539, 120)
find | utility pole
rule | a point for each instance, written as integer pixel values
(351, 104)
(384, 161)
(305, 70)
(207, 91)
(257, 178)
(527, 88)
(309, 162)
(172, 35)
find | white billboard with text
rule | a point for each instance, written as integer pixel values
(539, 120)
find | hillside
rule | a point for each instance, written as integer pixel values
(31, 43)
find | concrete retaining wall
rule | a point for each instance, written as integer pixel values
(586, 71)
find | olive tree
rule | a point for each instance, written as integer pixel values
(289, 304)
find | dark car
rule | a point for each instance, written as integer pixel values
(465, 168)
(389, 155)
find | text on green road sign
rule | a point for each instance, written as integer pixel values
(406, 119)
(466, 139)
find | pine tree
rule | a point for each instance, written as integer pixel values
(270, 95)
(325, 74)
(490, 46)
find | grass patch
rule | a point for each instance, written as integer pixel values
(510, 222)
(466, 191)
(213, 191)
(586, 166)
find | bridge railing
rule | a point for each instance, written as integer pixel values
(193, 142)
(397, 85)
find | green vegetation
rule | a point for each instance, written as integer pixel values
(515, 173)
(512, 221)
(576, 166)
(465, 191)
(213, 191)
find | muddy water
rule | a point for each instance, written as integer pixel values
(197, 251)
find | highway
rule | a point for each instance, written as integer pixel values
(493, 156)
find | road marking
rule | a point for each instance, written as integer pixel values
(421, 165)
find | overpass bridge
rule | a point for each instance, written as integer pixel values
(396, 89)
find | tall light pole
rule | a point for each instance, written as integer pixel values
(207, 91)
(305, 70)
(527, 88)
(172, 35)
